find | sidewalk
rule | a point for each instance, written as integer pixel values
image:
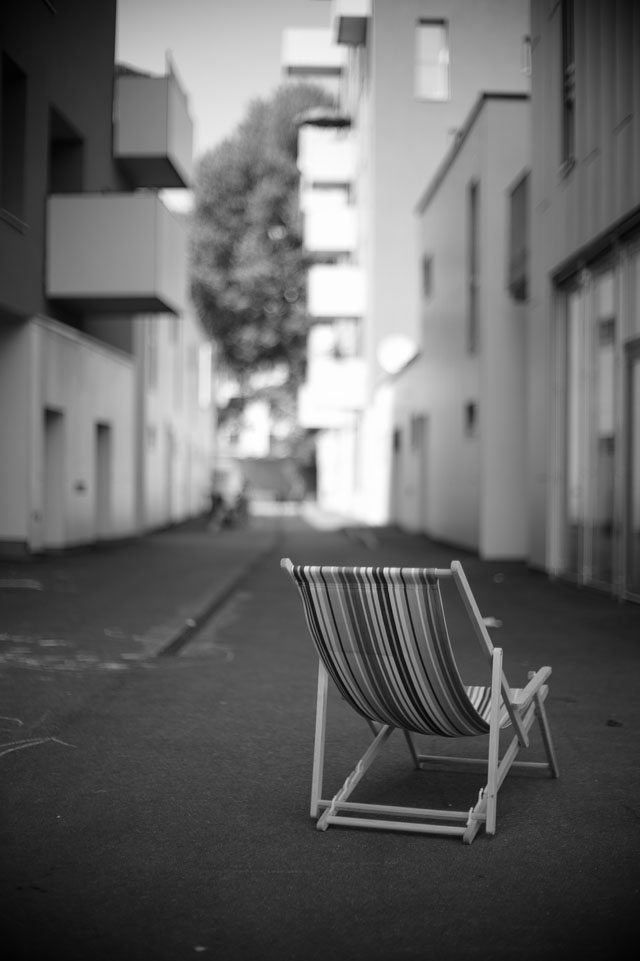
(104, 606)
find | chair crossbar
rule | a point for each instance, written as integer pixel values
(438, 762)
(445, 815)
(404, 826)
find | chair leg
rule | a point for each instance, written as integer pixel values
(320, 736)
(356, 775)
(546, 735)
(412, 749)
(494, 742)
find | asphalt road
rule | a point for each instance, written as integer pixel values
(155, 802)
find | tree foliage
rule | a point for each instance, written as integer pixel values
(247, 264)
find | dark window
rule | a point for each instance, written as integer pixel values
(473, 267)
(471, 419)
(427, 277)
(152, 353)
(568, 86)
(66, 156)
(13, 120)
(417, 432)
(518, 270)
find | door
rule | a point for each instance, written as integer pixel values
(632, 479)
(592, 438)
(53, 527)
(103, 454)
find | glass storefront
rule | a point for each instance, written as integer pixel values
(601, 470)
(632, 526)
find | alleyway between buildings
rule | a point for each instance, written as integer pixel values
(157, 703)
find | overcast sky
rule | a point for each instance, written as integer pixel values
(226, 52)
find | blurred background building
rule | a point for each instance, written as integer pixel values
(107, 426)
(478, 259)
(470, 208)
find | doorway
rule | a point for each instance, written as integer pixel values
(592, 438)
(632, 473)
(103, 458)
(53, 528)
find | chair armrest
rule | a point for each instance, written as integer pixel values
(535, 683)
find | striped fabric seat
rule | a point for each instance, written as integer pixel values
(382, 638)
(382, 635)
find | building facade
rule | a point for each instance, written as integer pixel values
(412, 73)
(513, 426)
(458, 409)
(583, 346)
(93, 289)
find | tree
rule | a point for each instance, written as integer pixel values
(247, 263)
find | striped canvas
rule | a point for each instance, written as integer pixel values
(382, 635)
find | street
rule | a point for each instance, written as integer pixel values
(157, 808)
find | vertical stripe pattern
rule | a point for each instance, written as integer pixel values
(381, 634)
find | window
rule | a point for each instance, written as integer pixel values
(346, 337)
(205, 385)
(592, 511)
(473, 267)
(427, 277)
(525, 56)
(518, 268)
(417, 432)
(471, 419)
(568, 133)
(66, 156)
(432, 60)
(13, 120)
(152, 354)
(177, 350)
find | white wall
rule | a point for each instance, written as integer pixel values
(503, 523)
(87, 384)
(402, 142)
(175, 457)
(410, 137)
(475, 481)
(15, 401)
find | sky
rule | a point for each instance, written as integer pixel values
(225, 52)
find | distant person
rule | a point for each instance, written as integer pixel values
(241, 508)
(217, 511)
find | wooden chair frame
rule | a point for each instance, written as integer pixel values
(522, 707)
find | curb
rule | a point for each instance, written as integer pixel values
(219, 597)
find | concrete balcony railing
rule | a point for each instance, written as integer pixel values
(153, 131)
(349, 21)
(115, 252)
(329, 229)
(335, 290)
(311, 53)
(335, 389)
(326, 155)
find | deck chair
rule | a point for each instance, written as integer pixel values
(382, 638)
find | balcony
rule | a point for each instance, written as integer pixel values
(329, 228)
(334, 391)
(335, 290)
(326, 155)
(349, 21)
(123, 253)
(309, 53)
(153, 131)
